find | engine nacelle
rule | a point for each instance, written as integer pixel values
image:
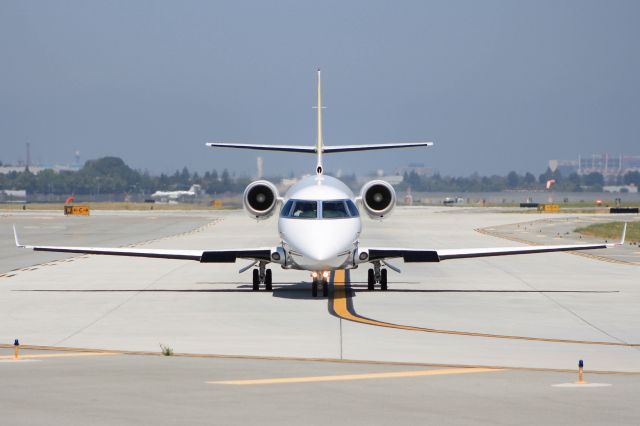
(378, 198)
(260, 199)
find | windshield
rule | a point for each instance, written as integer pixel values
(311, 209)
(334, 209)
(305, 209)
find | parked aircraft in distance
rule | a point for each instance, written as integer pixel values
(178, 196)
(319, 225)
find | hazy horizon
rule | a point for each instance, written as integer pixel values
(499, 86)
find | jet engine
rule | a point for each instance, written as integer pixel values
(260, 199)
(378, 198)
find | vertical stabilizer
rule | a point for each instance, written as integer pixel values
(319, 144)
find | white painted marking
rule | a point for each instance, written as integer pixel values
(581, 385)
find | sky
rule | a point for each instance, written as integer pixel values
(497, 85)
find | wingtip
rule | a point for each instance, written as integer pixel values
(624, 234)
(15, 237)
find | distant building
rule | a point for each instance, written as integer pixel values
(13, 196)
(608, 166)
(621, 188)
(419, 168)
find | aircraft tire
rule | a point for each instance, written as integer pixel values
(314, 288)
(325, 288)
(371, 279)
(268, 280)
(256, 280)
(383, 280)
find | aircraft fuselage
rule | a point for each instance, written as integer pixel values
(319, 224)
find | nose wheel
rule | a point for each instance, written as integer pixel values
(323, 284)
(263, 276)
(377, 275)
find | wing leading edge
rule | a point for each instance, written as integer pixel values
(429, 255)
(202, 256)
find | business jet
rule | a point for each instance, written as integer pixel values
(319, 225)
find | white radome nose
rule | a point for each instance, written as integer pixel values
(323, 250)
(321, 242)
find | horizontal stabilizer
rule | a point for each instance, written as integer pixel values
(285, 148)
(351, 148)
(313, 150)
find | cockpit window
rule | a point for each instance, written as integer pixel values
(305, 209)
(334, 209)
(353, 210)
(286, 210)
(308, 209)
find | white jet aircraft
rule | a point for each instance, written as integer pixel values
(319, 226)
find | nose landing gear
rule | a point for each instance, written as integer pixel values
(320, 279)
(262, 275)
(377, 275)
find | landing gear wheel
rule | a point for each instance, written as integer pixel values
(371, 279)
(325, 288)
(256, 280)
(268, 280)
(314, 288)
(383, 280)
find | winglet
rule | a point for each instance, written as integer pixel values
(624, 234)
(15, 237)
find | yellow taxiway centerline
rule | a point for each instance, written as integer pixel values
(341, 308)
(347, 377)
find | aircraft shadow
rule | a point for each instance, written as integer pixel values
(363, 289)
(145, 290)
(287, 290)
(299, 290)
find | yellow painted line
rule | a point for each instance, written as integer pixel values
(342, 309)
(60, 355)
(347, 377)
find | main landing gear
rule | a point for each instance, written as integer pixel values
(320, 279)
(377, 275)
(262, 275)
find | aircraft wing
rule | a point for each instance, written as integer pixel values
(202, 256)
(431, 255)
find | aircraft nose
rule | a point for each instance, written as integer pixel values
(325, 248)
(320, 244)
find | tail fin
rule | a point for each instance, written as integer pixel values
(320, 148)
(319, 143)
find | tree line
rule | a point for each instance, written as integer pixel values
(512, 181)
(110, 175)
